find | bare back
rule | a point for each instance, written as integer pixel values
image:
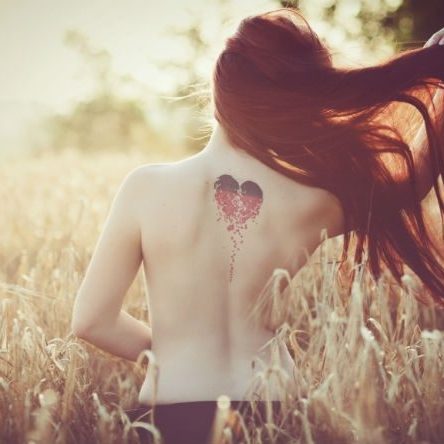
(213, 232)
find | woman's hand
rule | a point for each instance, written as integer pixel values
(436, 39)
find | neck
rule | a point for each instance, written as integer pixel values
(222, 153)
(219, 144)
(219, 137)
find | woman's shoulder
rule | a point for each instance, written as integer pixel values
(157, 169)
(139, 181)
(149, 178)
(145, 173)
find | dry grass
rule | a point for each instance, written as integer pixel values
(370, 364)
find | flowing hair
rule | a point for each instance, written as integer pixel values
(349, 131)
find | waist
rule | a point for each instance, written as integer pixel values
(206, 378)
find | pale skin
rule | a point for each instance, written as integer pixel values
(164, 218)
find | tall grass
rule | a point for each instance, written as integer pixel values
(369, 364)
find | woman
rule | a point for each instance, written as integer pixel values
(299, 146)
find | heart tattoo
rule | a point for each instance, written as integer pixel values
(236, 205)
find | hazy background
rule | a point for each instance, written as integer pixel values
(131, 74)
(91, 89)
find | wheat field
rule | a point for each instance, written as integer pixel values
(370, 363)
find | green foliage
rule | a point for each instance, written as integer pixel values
(102, 122)
(106, 120)
(402, 23)
(191, 93)
(352, 29)
(414, 22)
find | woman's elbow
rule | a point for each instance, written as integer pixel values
(79, 329)
(83, 319)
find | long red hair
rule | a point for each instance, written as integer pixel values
(278, 96)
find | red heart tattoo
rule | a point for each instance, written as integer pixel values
(237, 205)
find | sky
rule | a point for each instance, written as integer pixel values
(40, 74)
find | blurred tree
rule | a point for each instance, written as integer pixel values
(187, 96)
(414, 21)
(191, 94)
(379, 27)
(102, 122)
(352, 29)
(105, 120)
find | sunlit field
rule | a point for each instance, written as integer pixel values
(370, 364)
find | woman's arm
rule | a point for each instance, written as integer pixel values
(125, 336)
(97, 316)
